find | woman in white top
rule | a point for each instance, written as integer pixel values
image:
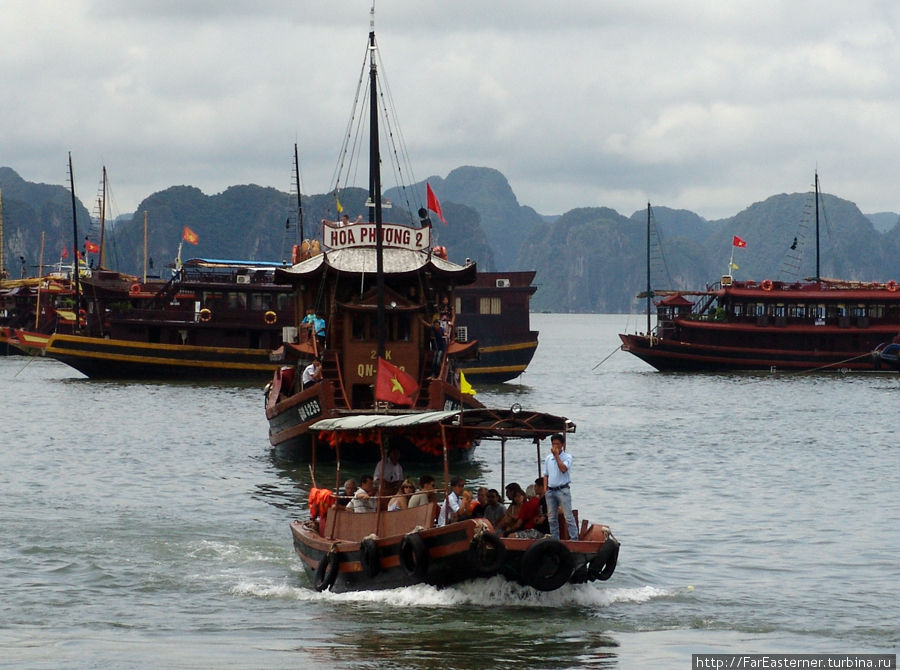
(401, 500)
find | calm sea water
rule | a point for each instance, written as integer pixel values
(146, 525)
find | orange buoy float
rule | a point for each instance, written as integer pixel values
(766, 285)
(134, 289)
(270, 318)
(205, 314)
(891, 286)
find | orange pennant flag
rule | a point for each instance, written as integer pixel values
(190, 236)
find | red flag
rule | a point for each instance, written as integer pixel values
(190, 236)
(78, 253)
(394, 385)
(738, 242)
(64, 253)
(433, 203)
(91, 248)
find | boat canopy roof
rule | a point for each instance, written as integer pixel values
(363, 260)
(477, 423)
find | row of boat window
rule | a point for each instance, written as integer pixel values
(820, 311)
(240, 300)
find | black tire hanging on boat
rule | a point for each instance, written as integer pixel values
(370, 557)
(547, 565)
(487, 553)
(603, 564)
(414, 555)
(327, 571)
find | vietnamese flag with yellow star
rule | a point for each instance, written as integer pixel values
(394, 385)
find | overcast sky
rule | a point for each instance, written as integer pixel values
(697, 104)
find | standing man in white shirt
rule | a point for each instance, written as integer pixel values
(389, 473)
(557, 478)
(450, 508)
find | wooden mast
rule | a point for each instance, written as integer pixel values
(102, 262)
(649, 294)
(299, 202)
(74, 238)
(375, 188)
(818, 272)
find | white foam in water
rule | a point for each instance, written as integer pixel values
(494, 591)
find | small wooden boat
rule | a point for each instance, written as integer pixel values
(353, 551)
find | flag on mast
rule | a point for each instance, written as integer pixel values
(433, 204)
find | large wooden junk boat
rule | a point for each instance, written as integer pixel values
(346, 550)
(815, 324)
(373, 296)
(214, 319)
(495, 310)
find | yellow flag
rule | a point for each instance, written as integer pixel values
(734, 266)
(340, 207)
(464, 385)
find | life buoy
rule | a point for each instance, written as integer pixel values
(766, 285)
(441, 252)
(295, 254)
(205, 314)
(370, 557)
(603, 564)
(82, 318)
(134, 289)
(547, 565)
(270, 318)
(327, 571)
(414, 555)
(891, 286)
(486, 553)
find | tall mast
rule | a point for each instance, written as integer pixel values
(375, 188)
(2, 264)
(102, 261)
(818, 273)
(649, 294)
(74, 237)
(299, 203)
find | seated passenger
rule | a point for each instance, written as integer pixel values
(512, 512)
(312, 373)
(426, 492)
(401, 499)
(450, 508)
(364, 500)
(542, 524)
(494, 510)
(350, 488)
(529, 512)
(479, 503)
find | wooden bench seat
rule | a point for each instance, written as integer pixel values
(355, 526)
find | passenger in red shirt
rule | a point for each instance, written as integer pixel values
(529, 514)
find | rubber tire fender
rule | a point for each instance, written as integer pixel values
(542, 554)
(603, 564)
(414, 555)
(327, 571)
(370, 557)
(487, 563)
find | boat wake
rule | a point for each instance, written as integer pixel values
(490, 592)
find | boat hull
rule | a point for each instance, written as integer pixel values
(444, 556)
(498, 363)
(762, 349)
(104, 358)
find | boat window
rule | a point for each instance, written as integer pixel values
(284, 301)
(457, 305)
(402, 328)
(260, 301)
(467, 305)
(876, 311)
(237, 300)
(738, 309)
(760, 309)
(858, 310)
(489, 306)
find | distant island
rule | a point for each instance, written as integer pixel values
(589, 259)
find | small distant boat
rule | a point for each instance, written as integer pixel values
(817, 324)
(345, 550)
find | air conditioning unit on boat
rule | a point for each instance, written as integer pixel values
(289, 334)
(726, 280)
(243, 279)
(502, 283)
(462, 333)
